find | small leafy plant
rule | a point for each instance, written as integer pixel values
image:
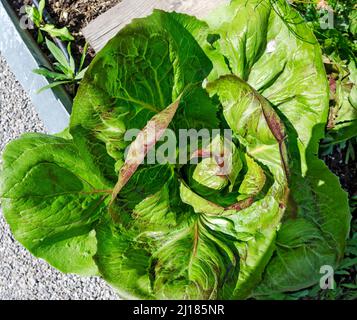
(189, 231)
(66, 71)
(339, 49)
(36, 16)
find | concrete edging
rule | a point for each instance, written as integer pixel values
(23, 55)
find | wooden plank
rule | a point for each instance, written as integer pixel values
(107, 25)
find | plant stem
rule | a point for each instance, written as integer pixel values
(48, 19)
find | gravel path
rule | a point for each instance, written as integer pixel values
(21, 275)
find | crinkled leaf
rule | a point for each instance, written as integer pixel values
(262, 133)
(282, 61)
(139, 73)
(52, 200)
(268, 45)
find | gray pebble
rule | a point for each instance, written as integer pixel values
(22, 276)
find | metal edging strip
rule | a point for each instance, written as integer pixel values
(23, 55)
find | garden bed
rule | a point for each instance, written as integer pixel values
(73, 14)
(54, 106)
(17, 45)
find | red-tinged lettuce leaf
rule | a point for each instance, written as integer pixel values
(343, 115)
(144, 142)
(282, 61)
(136, 249)
(261, 132)
(166, 251)
(268, 45)
(139, 73)
(313, 237)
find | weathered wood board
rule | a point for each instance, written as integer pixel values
(107, 25)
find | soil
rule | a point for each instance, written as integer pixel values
(345, 170)
(76, 14)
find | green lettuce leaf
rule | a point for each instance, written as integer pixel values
(262, 133)
(139, 73)
(52, 200)
(282, 61)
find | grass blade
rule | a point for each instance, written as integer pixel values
(57, 54)
(52, 85)
(83, 58)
